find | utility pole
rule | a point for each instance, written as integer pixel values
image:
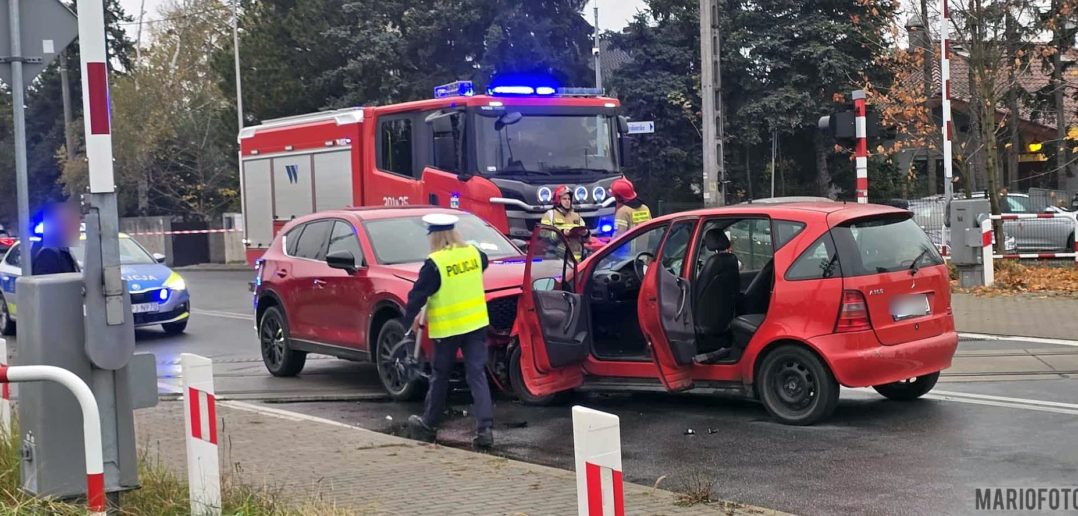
(69, 116)
(714, 180)
(236, 50)
(595, 51)
(18, 103)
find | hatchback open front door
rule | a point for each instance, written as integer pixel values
(666, 317)
(553, 321)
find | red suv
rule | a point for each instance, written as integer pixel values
(336, 283)
(820, 294)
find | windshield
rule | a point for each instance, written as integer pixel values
(131, 252)
(1018, 204)
(404, 240)
(515, 143)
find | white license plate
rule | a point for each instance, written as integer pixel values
(908, 307)
(141, 308)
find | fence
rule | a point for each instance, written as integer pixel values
(1063, 220)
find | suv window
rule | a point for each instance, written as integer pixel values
(312, 242)
(291, 239)
(343, 238)
(645, 242)
(883, 244)
(819, 261)
(12, 257)
(395, 146)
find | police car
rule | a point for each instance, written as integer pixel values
(158, 294)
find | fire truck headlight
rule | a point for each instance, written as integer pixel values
(599, 194)
(580, 193)
(545, 195)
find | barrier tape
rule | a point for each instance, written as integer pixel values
(185, 232)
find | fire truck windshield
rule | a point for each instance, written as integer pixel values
(546, 144)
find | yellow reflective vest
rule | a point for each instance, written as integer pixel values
(460, 305)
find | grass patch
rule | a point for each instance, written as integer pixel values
(1013, 278)
(162, 493)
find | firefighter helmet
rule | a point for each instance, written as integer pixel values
(623, 190)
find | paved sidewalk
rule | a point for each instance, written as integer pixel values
(1021, 315)
(374, 473)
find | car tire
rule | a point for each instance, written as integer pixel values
(516, 381)
(7, 324)
(277, 353)
(796, 387)
(175, 328)
(910, 389)
(389, 360)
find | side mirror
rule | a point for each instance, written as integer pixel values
(544, 284)
(624, 142)
(446, 140)
(160, 258)
(343, 260)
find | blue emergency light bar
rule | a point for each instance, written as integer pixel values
(454, 89)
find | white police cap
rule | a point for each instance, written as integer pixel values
(440, 222)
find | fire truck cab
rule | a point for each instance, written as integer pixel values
(499, 155)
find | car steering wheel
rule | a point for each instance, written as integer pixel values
(640, 265)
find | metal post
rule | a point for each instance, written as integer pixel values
(774, 150)
(18, 108)
(861, 150)
(69, 116)
(595, 51)
(714, 180)
(236, 50)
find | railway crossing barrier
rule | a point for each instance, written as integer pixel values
(988, 252)
(91, 422)
(5, 399)
(597, 443)
(200, 424)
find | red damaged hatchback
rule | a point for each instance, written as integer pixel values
(820, 295)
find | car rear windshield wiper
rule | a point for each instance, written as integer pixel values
(913, 266)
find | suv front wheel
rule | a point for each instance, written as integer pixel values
(399, 376)
(277, 353)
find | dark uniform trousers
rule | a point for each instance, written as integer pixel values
(474, 345)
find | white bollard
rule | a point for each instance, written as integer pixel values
(987, 250)
(200, 422)
(5, 400)
(597, 442)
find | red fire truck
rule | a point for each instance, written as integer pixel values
(498, 155)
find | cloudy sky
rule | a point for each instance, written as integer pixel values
(613, 14)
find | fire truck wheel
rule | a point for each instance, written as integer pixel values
(516, 380)
(277, 353)
(391, 356)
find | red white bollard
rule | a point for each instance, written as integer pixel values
(597, 443)
(861, 150)
(91, 423)
(986, 252)
(5, 399)
(200, 423)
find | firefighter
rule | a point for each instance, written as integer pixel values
(450, 284)
(564, 218)
(58, 230)
(631, 211)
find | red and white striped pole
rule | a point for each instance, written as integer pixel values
(91, 423)
(986, 252)
(95, 97)
(597, 443)
(861, 150)
(945, 107)
(200, 422)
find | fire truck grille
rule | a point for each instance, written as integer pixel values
(502, 312)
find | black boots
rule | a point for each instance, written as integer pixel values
(419, 430)
(484, 439)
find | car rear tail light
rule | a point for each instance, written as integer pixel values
(853, 314)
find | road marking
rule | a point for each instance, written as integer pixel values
(1004, 399)
(994, 401)
(229, 315)
(287, 414)
(1036, 340)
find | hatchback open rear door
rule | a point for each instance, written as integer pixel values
(553, 321)
(666, 318)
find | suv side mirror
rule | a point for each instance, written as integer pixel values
(160, 258)
(343, 260)
(446, 140)
(624, 142)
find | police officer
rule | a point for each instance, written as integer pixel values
(631, 211)
(565, 218)
(450, 284)
(60, 227)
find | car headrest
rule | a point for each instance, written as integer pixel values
(715, 240)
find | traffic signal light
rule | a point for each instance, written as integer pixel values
(842, 125)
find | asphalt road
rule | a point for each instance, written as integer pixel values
(1004, 416)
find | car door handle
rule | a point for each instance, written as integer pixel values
(282, 273)
(319, 283)
(682, 303)
(572, 312)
